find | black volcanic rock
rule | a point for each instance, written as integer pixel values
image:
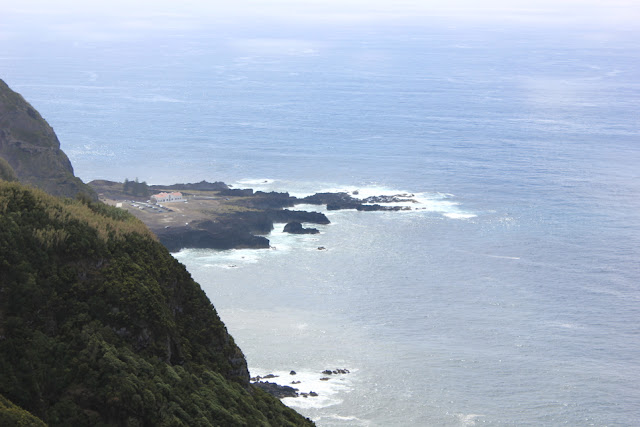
(334, 201)
(277, 390)
(237, 192)
(240, 230)
(273, 200)
(338, 201)
(296, 228)
(210, 235)
(376, 207)
(199, 186)
(286, 215)
(262, 200)
(397, 198)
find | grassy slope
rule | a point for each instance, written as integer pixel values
(13, 415)
(99, 325)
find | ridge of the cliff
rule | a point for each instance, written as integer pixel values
(32, 150)
(99, 324)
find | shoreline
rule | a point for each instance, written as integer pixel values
(215, 216)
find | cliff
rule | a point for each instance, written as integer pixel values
(32, 150)
(100, 325)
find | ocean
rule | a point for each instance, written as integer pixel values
(509, 295)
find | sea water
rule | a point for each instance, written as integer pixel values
(508, 295)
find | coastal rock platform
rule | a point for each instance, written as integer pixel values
(214, 216)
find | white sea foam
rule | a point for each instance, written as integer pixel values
(220, 259)
(282, 241)
(423, 202)
(329, 392)
(564, 325)
(347, 420)
(503, 256)
(458, 215)
(256, 181)
(468, 419)
(281, 244)
(362, 192)
(429, 202)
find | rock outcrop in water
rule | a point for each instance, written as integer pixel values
(339, 201)
(295, 227)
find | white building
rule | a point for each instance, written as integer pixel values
(167, 197)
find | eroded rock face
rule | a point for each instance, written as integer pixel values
(32, 149)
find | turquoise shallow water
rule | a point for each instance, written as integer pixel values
(510, 299)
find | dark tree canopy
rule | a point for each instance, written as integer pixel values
(100, 325)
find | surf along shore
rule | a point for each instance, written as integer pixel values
(215, 216)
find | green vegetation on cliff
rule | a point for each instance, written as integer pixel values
(136, 188)
(99, 325)
(6, 171)
(13, 415)
(30, 146)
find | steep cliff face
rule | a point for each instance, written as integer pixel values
(100, 325)
(31, 148)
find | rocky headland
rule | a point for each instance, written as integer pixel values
(216, 216)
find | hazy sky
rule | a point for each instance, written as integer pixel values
(100, 18)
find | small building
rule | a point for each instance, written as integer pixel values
(167, 197)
